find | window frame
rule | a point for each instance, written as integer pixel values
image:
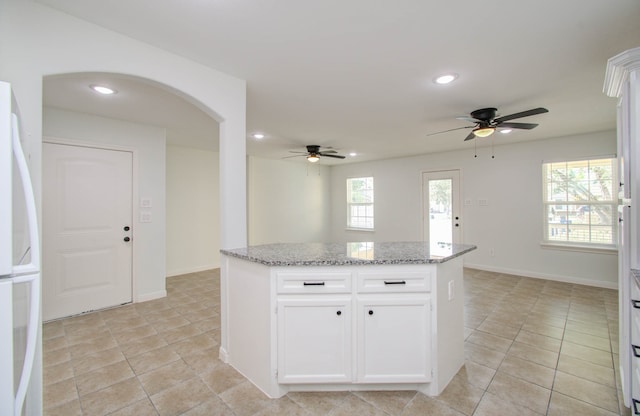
(611, 204)
(351, 204)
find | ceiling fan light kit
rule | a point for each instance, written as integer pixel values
(313, 158)
(483, 131)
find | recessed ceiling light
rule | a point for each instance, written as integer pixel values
(505, 131)
(258, 136)
(103, 90)
(445, 79)
(352, 154)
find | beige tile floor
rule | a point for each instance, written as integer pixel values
(533, 347)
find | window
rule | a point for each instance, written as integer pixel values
(580, 205)
(360, 203)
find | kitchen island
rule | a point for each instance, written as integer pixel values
(344, 316)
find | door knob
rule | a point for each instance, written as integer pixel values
(127, 239)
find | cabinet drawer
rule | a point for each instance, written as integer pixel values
(394, 282)
(300, 282)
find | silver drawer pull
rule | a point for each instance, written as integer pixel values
(313, 283)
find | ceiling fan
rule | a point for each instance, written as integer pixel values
(314, 153)
(486, 122)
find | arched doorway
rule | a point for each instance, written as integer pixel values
(174, 194)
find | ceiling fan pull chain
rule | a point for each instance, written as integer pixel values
(493, 155)
(475, 148)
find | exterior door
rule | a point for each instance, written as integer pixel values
(87, 220)
(441, 196)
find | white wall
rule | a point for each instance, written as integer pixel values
(288, 202)
(511, 224)
(36, 41)
(148, 142)
(193, 215)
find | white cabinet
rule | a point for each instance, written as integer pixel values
(314, 327)
(314, 339)
(394, 339)
(622, 80)
(392, 327)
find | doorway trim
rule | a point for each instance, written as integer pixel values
(135, 298)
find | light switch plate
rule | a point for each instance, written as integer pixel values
(146, 202)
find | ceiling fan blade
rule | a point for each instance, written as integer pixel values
(526, 126)
(469, 119)
(445, 131)
(295, 151)
(289, 157)
(521, 114)
(330, 155)
(328, 151)
(470, 137)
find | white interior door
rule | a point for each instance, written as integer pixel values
(87, 220)
(441, 196)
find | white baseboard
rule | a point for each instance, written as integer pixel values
(223, 355)
(188, 270)
(151, 296)
(545, 276)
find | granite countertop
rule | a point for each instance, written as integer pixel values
(340, 254)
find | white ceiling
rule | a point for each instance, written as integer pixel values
(357, 74)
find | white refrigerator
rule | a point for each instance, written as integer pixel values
(19, 266)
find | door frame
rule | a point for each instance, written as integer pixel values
(134, 193)
(423, 205)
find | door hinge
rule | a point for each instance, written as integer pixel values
(276, 374)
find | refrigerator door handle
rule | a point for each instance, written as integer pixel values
(32, 215)
(33, 267)
(32, 338)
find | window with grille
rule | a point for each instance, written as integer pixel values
(580, 202)
(360, 203)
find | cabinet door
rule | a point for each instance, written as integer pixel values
(394, 339)
(314, 340)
